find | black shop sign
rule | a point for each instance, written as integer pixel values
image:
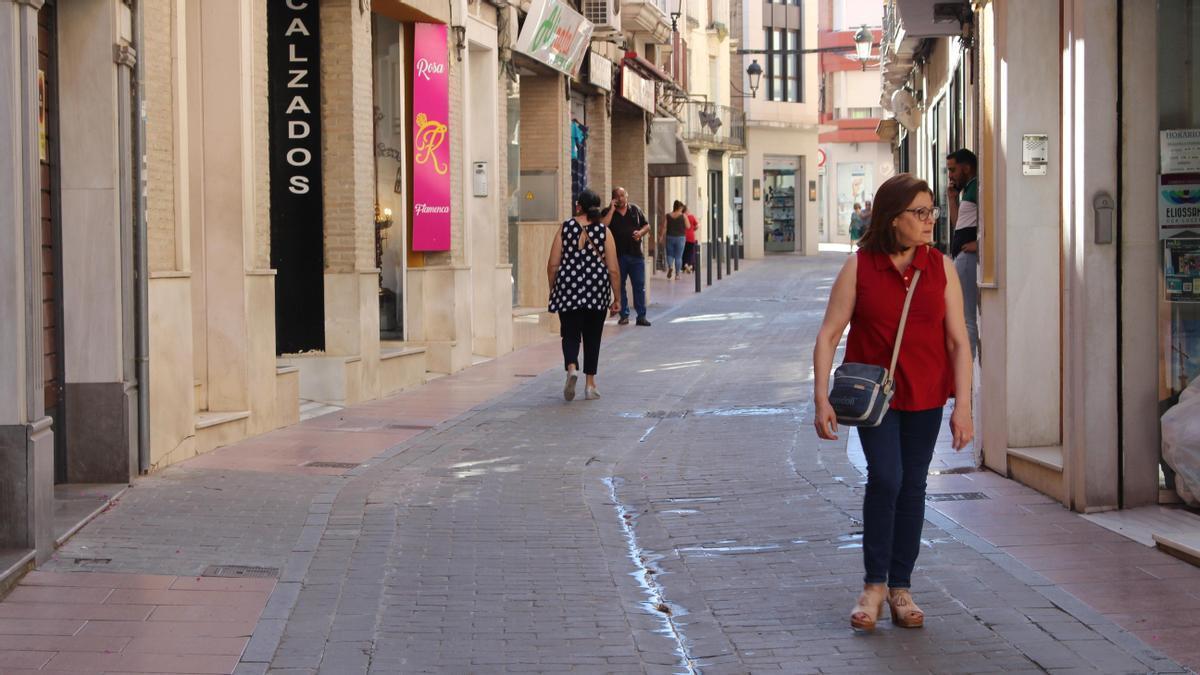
(297, 223)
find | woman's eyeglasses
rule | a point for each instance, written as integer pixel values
(925, 213)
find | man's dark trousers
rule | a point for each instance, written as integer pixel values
(633, 268)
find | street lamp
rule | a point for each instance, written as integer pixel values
(755, 72)
(862, 45)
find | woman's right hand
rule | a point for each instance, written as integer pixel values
(826, 421)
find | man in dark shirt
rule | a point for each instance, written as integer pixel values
(628, 225)
(962, 195)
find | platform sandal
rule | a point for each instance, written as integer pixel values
(869, 607)
(905, 612)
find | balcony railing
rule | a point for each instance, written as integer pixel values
(714, 125)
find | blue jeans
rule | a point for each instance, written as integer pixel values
(967, 265)
(633, 268)
(675, 253)
(898, 454)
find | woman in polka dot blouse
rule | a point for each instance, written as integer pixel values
(583, 272)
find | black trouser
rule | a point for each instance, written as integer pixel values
(587, 324)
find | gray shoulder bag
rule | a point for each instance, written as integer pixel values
(861, 392)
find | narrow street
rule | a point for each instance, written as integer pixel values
(687, 522)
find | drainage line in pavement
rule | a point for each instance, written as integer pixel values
(647, 434)
(657, 603)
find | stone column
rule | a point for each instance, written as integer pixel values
(348, 166)
(26, 438)
(545, 150)
(599, 145)
(96, 220)
(629, 168)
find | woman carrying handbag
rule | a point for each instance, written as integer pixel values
(908, 349)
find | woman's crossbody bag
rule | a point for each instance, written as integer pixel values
(862, 392)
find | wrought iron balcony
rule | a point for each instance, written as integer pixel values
(716, 126)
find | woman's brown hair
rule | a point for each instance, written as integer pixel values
(891, 200)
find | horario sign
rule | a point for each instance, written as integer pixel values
(297, 223)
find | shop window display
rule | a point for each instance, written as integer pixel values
(779, 206)
(1179, 266)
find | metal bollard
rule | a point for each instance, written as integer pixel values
(720, 263)
(708, 259)
(696, 265)
(737, 253)
(728, 255)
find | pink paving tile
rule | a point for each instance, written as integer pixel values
(1036, 539)
(1173, 569)
(193, 613)
(1132, 596)
(62, 643)
(96, 580)
(56, 594)
(40, 626)
(18, 610)
(1086, 551)
(24, 659)
(221, 584)
(171, 629)
(1067, 562)
(188, 645)
(1090, 574)
(146, 663)
(139, 596)
(1136, 621)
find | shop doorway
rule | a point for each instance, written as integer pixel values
(52, 283)
(392, 180)
(779, 203)
(716, 207)
(1179, 254)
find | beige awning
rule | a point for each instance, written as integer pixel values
(682, 166)
(667, 155)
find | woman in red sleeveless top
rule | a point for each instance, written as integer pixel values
(935, 362)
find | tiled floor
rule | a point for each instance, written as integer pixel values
(90, 623)
(1141, 589)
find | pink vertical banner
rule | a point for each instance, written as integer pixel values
(431, 139)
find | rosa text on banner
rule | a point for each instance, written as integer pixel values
(431, 139)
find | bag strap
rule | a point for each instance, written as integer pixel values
(903, 320)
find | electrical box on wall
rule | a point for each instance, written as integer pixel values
(479, 179)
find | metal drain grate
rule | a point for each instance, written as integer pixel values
(330, 465)
(240, 572)
(410, 426)
(955, 496)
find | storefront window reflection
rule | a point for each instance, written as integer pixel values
(390, 173)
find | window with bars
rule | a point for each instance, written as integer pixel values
(784, 77)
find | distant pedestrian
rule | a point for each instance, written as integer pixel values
(865, 217)
(675, 235)
(856, 225)
(689, 246)
(583, 275)
(628, 224)
(934, 362)
(962, 196)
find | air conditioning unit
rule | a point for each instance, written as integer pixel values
(605, 15)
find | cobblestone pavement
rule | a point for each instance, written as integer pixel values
(688, 521)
